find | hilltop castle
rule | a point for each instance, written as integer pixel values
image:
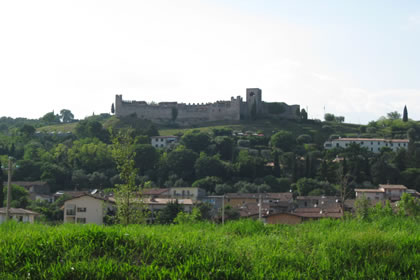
(187, 114)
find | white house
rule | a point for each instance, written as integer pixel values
(164, 141)
(18, 214)
(187, 192)
(87, 209)
(390, 192)
(372, 144)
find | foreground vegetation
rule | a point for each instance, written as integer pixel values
(386, 248)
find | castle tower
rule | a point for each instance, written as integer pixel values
(118, 105)
(254, 96)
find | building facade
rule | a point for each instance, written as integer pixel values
(87, 209)
(374, 145)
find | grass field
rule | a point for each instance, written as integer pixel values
(385, 249)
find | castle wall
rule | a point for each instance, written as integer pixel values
(188, 114)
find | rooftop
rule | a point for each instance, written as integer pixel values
(393, 187)
(18, 211)
(276, 196)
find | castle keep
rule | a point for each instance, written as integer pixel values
(186, 114)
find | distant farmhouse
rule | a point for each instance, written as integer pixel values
(185, 114)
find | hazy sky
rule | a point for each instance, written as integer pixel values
(360, 59)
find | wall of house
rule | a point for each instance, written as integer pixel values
(238, 202)
(283, 218)
(371, 145)
(25, 218)
(94, 210)
(371, 195)
(187, 192)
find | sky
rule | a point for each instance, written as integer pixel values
(358, 59)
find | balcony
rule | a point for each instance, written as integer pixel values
(70, 212)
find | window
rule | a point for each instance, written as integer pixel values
(81, 220)
(371, 143)
(81, 209)
(338, 145)
(371, 149)
(161, 145)
(20, 218)
(306, 203)
(361, 143)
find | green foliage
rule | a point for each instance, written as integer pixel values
(386, 248)
(405, 114)
(19, 198)
(408, 205)
(146, 158)
(66, 116)
(362, 206)
(283, 140)
(394, 115)
(207, 183)
(209, 166)
(127, 196)
(305, 186)
(50, 118)
(168, 214)
(196, 140)
(181, 162)
(188, 218)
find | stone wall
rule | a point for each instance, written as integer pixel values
(187, 114)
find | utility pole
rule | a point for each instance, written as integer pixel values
(223, 209)
(259, 207)
(9, 188)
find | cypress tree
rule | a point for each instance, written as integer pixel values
(405, 114)
(112, 108)
(1, 188)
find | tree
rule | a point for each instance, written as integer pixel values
(19, 195)
(50, 118)
(112, 108)
(146, 158)
(209, 166)
(196, 140)
(1, 188)
(128, 195)
(168, 214)
(208, 183)
(405, 114)
(66, 116)
(305, 186)
(408, 205)
(283, 140)
(329, 117)
(362, 207)
(394, 115)
(181, 162)
(27, 130)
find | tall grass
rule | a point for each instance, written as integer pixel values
(385, 249)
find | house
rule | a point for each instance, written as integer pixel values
(87, 209)
(149, 193)
(18, 214)
(155, 205)
(248, 203)
(300, 215)
(372, 144)
(34, 188)
(390, 192)
(321, 201)
(318, 213)
(283, 218)
(187, 192)
(164, 141)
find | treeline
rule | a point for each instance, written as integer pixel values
(218, 161)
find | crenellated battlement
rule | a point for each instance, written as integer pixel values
(182, 113)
